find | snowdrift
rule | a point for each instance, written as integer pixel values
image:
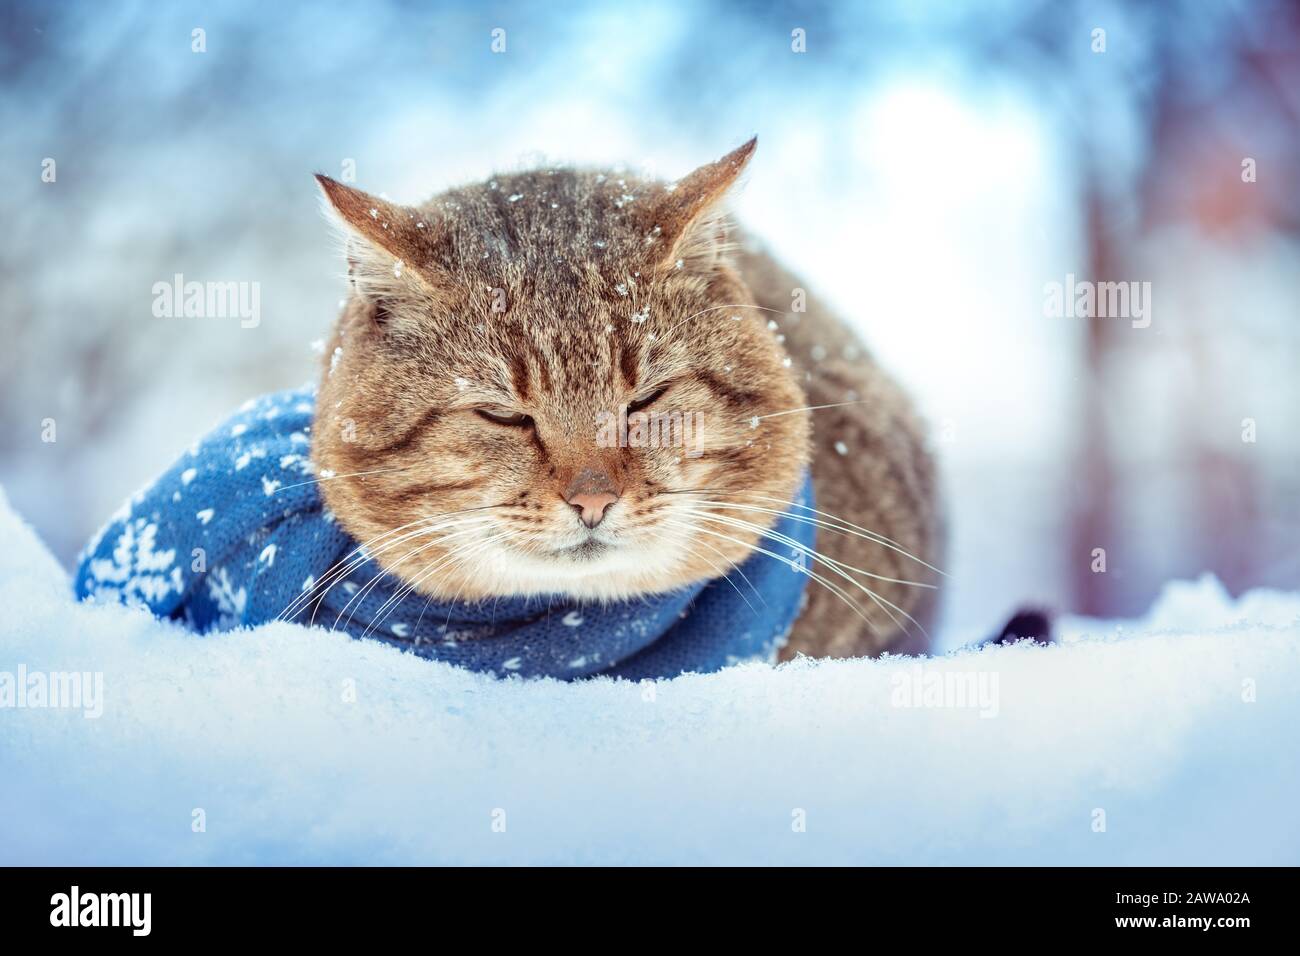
(1170, 740)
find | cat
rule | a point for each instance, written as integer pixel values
(490, 330)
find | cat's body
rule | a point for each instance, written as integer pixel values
(491, 328)
(870, 467)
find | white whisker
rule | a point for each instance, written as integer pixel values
(806, 408)
(456, 555)
(721, 571)
(360, 555)
(354, 474)
(458, 529)
(832, 587)
(835, 566)
(732, 305)
(820, 524)
(846, 526)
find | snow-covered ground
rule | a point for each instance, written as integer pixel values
(1168, 740)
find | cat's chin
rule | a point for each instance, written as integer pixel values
(592, 569)
(585, 551)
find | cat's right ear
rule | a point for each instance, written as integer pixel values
(687, 221)
(392, 250)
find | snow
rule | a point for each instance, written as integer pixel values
(302, 746)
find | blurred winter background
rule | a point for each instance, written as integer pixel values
(928, 166)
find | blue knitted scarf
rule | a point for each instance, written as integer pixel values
(235, 533)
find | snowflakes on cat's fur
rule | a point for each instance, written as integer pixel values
(521, 360)
(600, 272)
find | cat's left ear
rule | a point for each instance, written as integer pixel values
(687, 221)
(393, 250)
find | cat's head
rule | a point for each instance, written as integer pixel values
(535, 377)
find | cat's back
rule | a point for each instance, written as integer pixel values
(872, 467)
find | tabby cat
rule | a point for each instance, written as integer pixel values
(489, 331)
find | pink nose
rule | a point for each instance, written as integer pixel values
(592, 505)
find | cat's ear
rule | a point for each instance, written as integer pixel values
(689, 218)
(392, 250)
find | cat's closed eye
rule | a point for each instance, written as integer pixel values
(504, 416)
(381, 314)
(643, 403)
